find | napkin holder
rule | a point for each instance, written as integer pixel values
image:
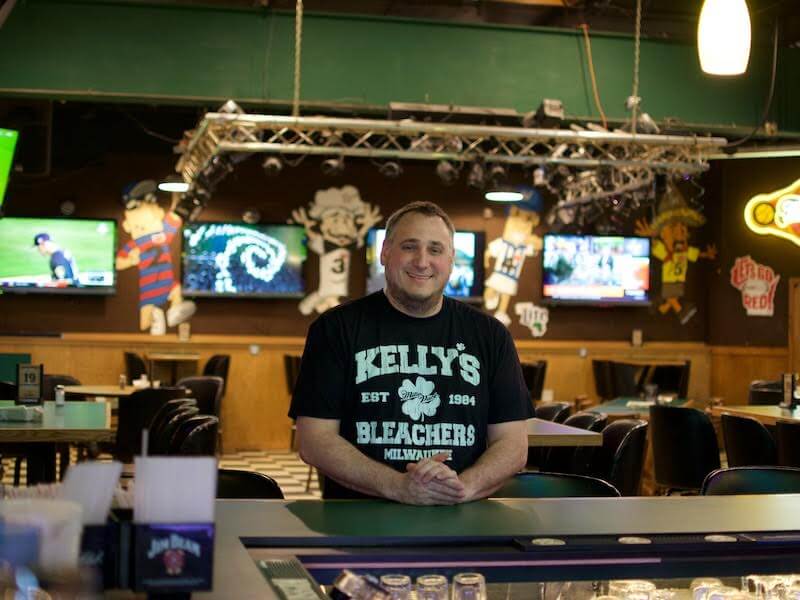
(172, 558)
(103, 550)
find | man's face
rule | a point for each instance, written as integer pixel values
(143, 220)
(44, 248)
(418, 261)
(675, 236)
(338, 227)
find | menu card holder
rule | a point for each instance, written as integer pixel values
(101, 549)
(29, 383)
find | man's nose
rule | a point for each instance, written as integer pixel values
(422, 258)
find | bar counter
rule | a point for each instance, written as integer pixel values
(496, 534)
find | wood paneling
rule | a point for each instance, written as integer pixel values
(734, 367)
(257, 399)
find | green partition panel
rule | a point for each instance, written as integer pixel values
(8, 365)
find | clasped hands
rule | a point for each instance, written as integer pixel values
(430, 481)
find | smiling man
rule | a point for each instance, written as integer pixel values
(406, 394)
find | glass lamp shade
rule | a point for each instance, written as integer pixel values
(723, 37)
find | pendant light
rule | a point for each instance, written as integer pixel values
(723, 37)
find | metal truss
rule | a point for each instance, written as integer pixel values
(577, 164)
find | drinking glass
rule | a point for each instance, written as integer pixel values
(702, 585)
(398, 585)
(432, 587)
(793, 593)
(469, 586)
(767, 587)
(724, 592)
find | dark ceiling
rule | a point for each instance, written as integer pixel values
(667, 19)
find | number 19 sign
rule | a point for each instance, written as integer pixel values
(29, 384)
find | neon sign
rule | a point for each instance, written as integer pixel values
(776, 213)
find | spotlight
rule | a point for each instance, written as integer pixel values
(446, 172)
(504, 194)
(477, 176)
(332, 166)
(540, 177)
(174, 183)
(272, 165)
(390, 169)
(497, 175)
(251, 216)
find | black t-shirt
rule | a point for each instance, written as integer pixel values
(64, 259)
(405, 388)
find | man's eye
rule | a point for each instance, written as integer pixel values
(436, 250)
(408, 247)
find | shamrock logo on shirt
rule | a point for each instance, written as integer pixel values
(418, 398)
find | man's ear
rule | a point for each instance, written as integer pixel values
(384, 250)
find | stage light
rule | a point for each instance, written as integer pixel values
(272, 165)
(446, 172)
(497, 175)
(174, 183)
(332, 166)
(504, 195)
(251, 216)
(723, 37)
(477, 176)
(390, 169)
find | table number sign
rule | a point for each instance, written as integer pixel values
(29, 383)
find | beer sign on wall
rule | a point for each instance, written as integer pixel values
(757, 284)
(776, 213)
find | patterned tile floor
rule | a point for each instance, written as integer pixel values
(283, 466)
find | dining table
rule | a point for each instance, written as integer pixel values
(71, 422)
(542, 433)
(765, 414)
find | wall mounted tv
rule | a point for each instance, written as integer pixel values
(61, 256)
(237, 260)
(466, 281)
(599, 270)
(8, 141)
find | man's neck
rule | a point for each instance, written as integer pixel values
(415, 308)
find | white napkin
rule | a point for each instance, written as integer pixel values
(175, 489)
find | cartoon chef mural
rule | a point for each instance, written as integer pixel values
(336, 222)
(152, 230)
(509, 251)
(671, 229)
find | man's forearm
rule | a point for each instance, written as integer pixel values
(502, 459)
(338, 459)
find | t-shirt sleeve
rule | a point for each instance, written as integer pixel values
(510, 399)
(319, 390)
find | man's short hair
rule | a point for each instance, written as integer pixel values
(40, 238)
(428, 209)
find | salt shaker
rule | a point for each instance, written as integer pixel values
(59, 395)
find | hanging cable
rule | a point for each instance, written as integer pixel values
(634, 99)
(298, 42)
(588, 45)
(731, 148)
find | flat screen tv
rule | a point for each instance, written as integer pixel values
(466, 281)
(236, 260)
(8, 141)
(60, 256)
(599, 270)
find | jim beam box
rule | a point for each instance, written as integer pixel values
(173, 558)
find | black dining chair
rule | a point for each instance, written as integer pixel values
(752, 480)
(787, 437)
(685, 447)
(135, 413)
(160, 439)
(621, 457)
(196, 436)
(218, 365)
(747, 442)
(557, 412)
(206, 390)
(534, 373)
(135, 366)
(764, 393)
(555, 485)
(562, 459)
(251, 485)
(603, 379)
(671, 378)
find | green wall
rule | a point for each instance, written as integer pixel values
(203, 55)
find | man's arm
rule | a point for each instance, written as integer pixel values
(321, 445)
(505, 456)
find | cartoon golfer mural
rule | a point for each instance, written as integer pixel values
(336, 222)
(670, 230)
(152, 231)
